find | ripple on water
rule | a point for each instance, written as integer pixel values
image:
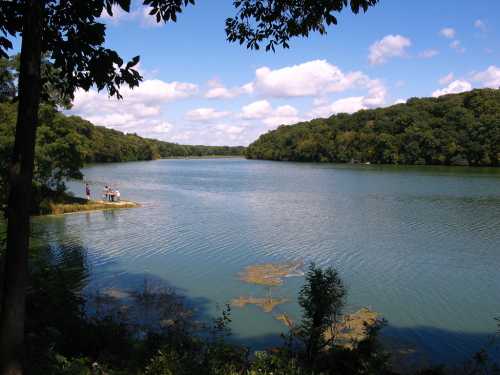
(420, 246)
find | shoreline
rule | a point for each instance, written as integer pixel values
(204, 157)
(55, 209)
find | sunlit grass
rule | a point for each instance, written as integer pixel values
(73, 204)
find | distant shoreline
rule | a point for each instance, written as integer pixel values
(205, 157)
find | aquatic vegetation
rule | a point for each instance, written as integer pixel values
(116, 293)
(270, 274)
(267, 304)
(286, 320)
(354, 328)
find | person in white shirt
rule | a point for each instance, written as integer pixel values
(117, 195)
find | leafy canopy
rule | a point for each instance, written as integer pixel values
(275, 22)
(73, 37)
(50, 78)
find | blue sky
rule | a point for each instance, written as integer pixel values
(201, 89)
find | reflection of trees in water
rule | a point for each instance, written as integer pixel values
(152, 307)
(59, 277)
(63, 318)
(54, 301)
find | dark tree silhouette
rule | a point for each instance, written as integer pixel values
(322, 299)
(69, 33)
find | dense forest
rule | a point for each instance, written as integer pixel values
(457, 129)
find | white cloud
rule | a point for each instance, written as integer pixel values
(457, 46)
(145, 19)
(205, 114)
(376, 94)
(308, 79)
(219, 91)
(446, 79)
(217, 134)
(348, 105)
(448, 32)
(481, 25)
(388, 47)
(138, 14)
(489, 77)
(428, 53)
(256, 110)
(454, 87)
(271, 117)
(400, 101)
(283, 115)
(286, 111)
(162, 127)
(155, 90)
(375, 97)
(230, 129)
(140, 110)
(119, 14)
(313, 78)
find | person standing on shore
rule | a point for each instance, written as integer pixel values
(87, 191)
(105, 193)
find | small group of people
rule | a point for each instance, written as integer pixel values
(110, 194)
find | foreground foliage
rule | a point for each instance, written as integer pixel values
(459, 129)
(115, 340)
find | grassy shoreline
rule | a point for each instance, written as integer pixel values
(74, 205)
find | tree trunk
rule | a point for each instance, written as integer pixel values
(21, 175)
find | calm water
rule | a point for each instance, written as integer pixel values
(419, 245)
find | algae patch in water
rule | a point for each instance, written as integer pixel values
(285, 319)
(115, 293)
(351, 330)
(267, 304)
(269, 274)
(354, 327)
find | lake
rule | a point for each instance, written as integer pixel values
(420, 245)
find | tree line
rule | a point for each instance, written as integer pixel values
(456, 129)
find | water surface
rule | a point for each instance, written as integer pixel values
(421, 245)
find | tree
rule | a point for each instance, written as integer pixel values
(68, 32)
(51, 82)
(322, 299)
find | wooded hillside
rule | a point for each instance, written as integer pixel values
(459, 129)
